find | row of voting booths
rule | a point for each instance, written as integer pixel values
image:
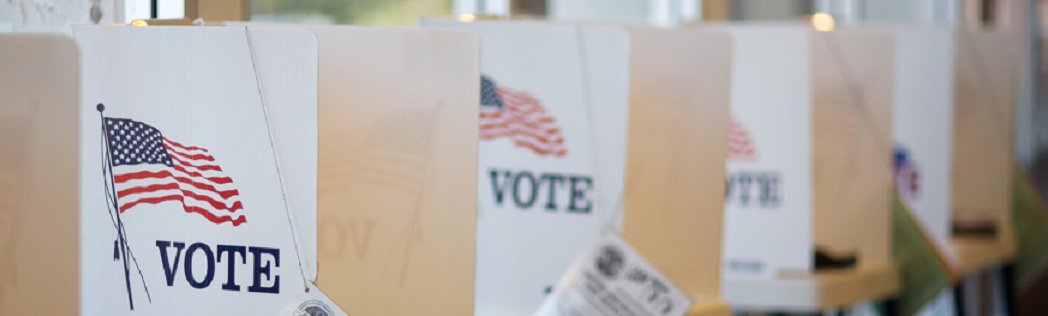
(499, 168)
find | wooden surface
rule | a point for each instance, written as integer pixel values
(975, 254)
(397, 191)
(218, 10)
(709, 308)
(852, 142)
(674, 195)
(39, 175)
(813, 292)
(716, 10)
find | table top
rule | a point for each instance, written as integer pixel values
(809, 292)
(709, 307)
(975, 254)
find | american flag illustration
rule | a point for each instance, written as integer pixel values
(740, 145)
(520, 117)
(396, 155)
(907, 176)
(395, 152)
(149, 168)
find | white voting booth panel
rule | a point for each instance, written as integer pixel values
(544, 190)
(923, 127)
(398, 154)
(39, 171)
(809, 163)
(607, 54)
(770, 138)
(953, 123)
(198, 166)
(679, 99)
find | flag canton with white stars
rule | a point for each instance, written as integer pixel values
(133, 143)
(489, 94)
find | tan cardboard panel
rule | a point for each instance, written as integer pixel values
(852, 147)
(218, 10)
(982, 145)
(674, 195)
(397, 192)
(39, 172)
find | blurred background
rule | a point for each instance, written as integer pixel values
(1024, 18)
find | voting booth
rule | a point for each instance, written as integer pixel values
(953, 129)
(193, 172)
(807, 210)
(672, 201)
(397, 162)
(205, 139)
(680, 83)
(656, 173)
(542, 198)
(984, 95)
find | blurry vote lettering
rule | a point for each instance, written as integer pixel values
(754, 189)
(560, 191)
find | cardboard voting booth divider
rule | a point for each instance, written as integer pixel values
(39, 172)
(985, 78)
(679, 88)
(679, 98)
(178, 198)
(545, 189)
(809, 165)
(398, 152)
(953, 125)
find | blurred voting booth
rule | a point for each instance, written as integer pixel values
(680, 84)
(953, 125)
(807, 211)
(661, 188)
(985, 72)
(953, 155)
(503, 167)
(192, 184)
(542, 198)
(398, 152)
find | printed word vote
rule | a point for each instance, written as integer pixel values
(747, 188)
(264, 259)
(525, 187)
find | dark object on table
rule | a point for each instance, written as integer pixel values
(824, 259)
(975, 228)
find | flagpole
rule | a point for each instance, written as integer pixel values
(122, 238)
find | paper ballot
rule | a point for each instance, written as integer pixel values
(611, 278)
(310, 301)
